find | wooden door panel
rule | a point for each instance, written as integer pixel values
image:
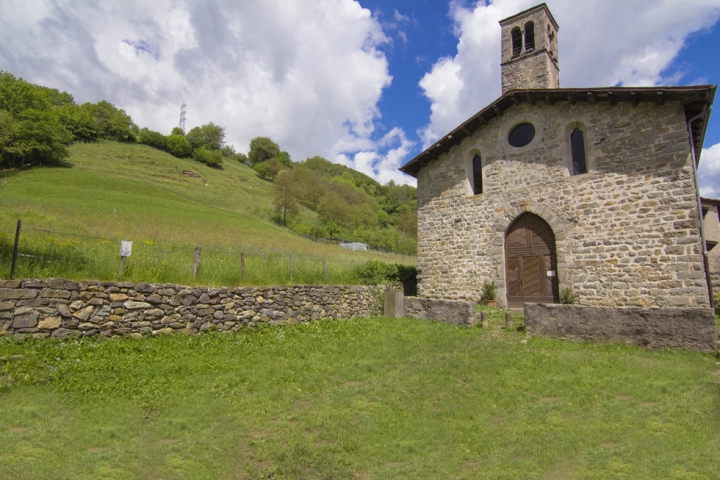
(517, 237)
(531, 279)
(541, 238)
(513, 277)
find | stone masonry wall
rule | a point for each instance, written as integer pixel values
(536, 70)
(62, 308)
(627, 232)
(676, 328)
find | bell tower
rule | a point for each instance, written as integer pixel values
(530, 50)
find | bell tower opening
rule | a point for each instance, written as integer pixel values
(529, 56)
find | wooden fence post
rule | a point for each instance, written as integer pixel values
(394, 304)
(196, 263)
(242, 265)
(15, 250)
(292, 265)
(508, 320)
(122, 265)
(325, 268)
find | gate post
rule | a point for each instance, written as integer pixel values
(394, 304)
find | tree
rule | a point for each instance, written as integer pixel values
(262, 149)
(242, 158)
(285, 195)
(334, 208)
(178, 146)
(114, 123)
(213, 136)
(177, 131)
(332, 229)
(269, 169)
(228, 151)
(195, 137)
(210, 136)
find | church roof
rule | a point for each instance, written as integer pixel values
(696, 99)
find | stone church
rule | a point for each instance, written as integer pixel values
(550, 188)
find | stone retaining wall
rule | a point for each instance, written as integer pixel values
(455, 312)
(676, 328)
(62, 308)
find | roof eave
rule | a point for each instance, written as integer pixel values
(612, 95)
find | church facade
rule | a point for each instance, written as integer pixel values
(547, 189)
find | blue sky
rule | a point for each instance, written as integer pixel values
(367, 83)
(429, 33)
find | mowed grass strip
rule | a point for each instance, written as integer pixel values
(377, 398)
(167, 206)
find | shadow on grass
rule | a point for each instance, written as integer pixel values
(39, 261)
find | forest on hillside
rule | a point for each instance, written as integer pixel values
(37, 124)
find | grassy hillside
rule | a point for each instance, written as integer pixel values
(167, 206)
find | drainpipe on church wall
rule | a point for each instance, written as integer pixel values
(706, 263)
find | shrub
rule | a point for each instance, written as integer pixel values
(489, 290)
(153, 139)
(568, 296)
(375, 272)
(210, 157)
(263, 169)
(716, 301)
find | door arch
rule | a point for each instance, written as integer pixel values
(530, 262)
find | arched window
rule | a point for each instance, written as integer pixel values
(477, 175)
(529, 37)
(516, 41)
(577, 146)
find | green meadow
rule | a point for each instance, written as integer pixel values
(369, 398)
(167, 206)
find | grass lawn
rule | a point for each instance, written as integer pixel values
(368, 398)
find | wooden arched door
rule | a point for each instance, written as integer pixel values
(530, 262)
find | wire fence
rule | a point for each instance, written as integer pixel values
(44, 252)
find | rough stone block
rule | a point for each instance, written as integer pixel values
(17, 294)
(132, 305)
(61, 284)
(654, 328)
(49, 323)
(63, 333)
(28, 320)
(456, 312)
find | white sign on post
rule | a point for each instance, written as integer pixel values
(125, 248)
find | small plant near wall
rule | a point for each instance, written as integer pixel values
(568, 296)
(489, 291)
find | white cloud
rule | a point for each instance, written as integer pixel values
(709, 172)
(382, 166)
(307, 73)
(602, 42)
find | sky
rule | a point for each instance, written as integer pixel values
(366, 83)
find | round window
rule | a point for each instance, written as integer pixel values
(521, 135)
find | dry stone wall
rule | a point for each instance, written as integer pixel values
(59, 308)
(627, 233)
